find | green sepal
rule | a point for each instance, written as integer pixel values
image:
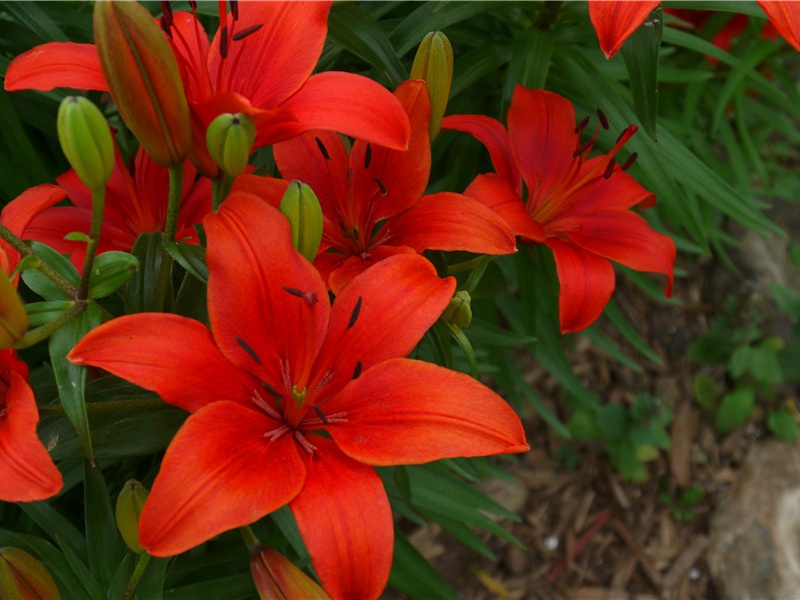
(110, 271)
(640, 53)
(70, 378)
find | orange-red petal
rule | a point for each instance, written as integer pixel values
(497, 194)
(785, 16)
(56, 64)
(615, 21)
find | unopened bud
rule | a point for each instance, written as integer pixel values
(143, 79)
(13, 318)
(86, 141)
(302, 208)
(434, 64)
(459, 311)
(23, 577)
(277, 578)
(229, 139)
(129, 506)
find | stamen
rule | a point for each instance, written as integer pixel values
(340, 417)
(193, 5)
(223, 42)
(276, 433)
(262, 404)
(318, 410)
(165, 26)
(307, 446)
(368, 156)
(628, 131)
(380, 185)
(582, 124)
(355, 313)
(270, 389)
(357, 371)
(132, 165)
(602, 116)
(309, 297)
(166, 10)
(629, 163)
(240, 35)
(235, 9)
(248, 349)
(609, 168)
(583, 148)
(322, 149)
(324, 380)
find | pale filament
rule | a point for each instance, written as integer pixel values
(262, 404)
(340, 417)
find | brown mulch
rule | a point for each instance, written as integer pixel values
(589, 534)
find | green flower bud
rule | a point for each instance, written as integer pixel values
(459, 311)
(229, 139)
(276, 577)
(129, 506)
(86, 141)
(24, 577)
(434, 64)
(301, 207)
(13, 318)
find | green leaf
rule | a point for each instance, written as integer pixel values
(40, 283)
(71, 378)
(611, 348)
(40, 313)
(56, 525)
(735, 409)
(233, 587)
(583, 426)
(434, 16)
(765, 366)
(413, 575)
(530, 61)
(612, 420)
(191, 257)
(151, 586)
(487, 333)
(705, 391)
(110, 271)
(640, 52)
(354, 29)
(140, 293)
(84, 574)
(782, 424)
(626, 460)
(103, 542)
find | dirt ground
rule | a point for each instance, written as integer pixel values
(590, 535)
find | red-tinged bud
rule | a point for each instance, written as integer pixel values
(22, 577)
(459, 311)
(434, 63)
(229, 139)
(143, 78)
(276, 578)
(13, 318)
(301, 206)
(129, 506)
(86, 141)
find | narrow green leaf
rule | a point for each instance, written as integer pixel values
(530, 61)
(55, 524)
(40, 313)
(140, 293)
(640, 52)
(611, 348)
(103, 542)
(110, 271)
(190, 257)
(89, 582)
(434, 16)
(233, 587)
(40, 283)
(151, 586)
(413, 575)
(613, 313)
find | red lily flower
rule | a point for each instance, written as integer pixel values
(27, 473)
(135, 204)
(259, 63)
(615, 21)
(376, 185)
(280, 365)
(785, 16)
(578, 207)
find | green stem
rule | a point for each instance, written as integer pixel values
(53, 275)
(34, 336)
(98, 204)
(221, 187)
(253, 543)
(109, 406)
(141, 565)
(170, 229)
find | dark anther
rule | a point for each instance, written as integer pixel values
(357, 370)
(270, 390)
(368, 156)
(240, 35)
(248, 349)
(165, 26)
(223, 42)
(132, 165)
(582, 124)
(582, 148)
(609, 168)
(380, 185)
(322, 149)
(621, 135)
(354, 314)
(235, 9)
(193, 5)
(166, 9)
(602, 116)
(309, 297)
(629, 163)
(320, 414)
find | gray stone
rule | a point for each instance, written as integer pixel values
(754, 549)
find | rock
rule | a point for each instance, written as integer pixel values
(754, 549)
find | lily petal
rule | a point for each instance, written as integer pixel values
(339, 269)
(497, 194)
(405, 411)
(144, 349)
(785, 16)
(56, 64)
(346, 522)
(383, 313)
(587, 282)
(219, 472)
(449, 222)
(614, 21)
(491, 133)
(279, 313)
(27, 473)
(353, 105)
